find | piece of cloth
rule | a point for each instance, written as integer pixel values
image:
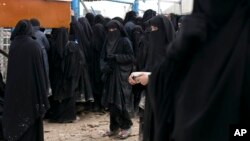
(25, 98)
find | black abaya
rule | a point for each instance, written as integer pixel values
(116, 71)
(84, 91)
(99, 36)
(65, 62)
(212, 92)
(26, 94)
(156, 52)
(116, 65)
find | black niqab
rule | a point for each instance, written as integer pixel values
(158, 41)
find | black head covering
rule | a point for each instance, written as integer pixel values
(208, 77)
(113, 37)
(138, 21)
(130, 16)
(60, 36)
(118, 19)
(118, 25)
(137, 33)
(148, 14)
(165, 29)
(86, 28)
(35, 22)
(99, 19)
(90, 17)
(107, 19)
(23, 27)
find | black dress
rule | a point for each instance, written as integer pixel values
(25, 100)
(155, 51)
(116, 65)
(210, 59)
(64, 77)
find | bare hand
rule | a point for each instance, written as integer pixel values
(143, 79)
(131, 80)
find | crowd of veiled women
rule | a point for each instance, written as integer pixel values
(197, 89)
(85, 67)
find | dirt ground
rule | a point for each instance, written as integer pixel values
(89, 127)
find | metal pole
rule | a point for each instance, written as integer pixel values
(181, 7)
(159, 7)
(75, 6)
(136, 6)
(85, 7)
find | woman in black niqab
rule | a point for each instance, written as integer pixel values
(161, 34)
(91, 18)
(212, 50)
(64, 78)
(26, 93)
(116, 65)
(84, 90)
(130, 16)
(99, 19)
(119, 19)
(148, 14)
(99, 36)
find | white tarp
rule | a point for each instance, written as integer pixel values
(113, 9)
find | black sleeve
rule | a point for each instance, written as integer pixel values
(128, 55)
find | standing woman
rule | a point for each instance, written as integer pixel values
(161, 33)
(99, 36)
(116, 65)
(26, 96)
(211, 59)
